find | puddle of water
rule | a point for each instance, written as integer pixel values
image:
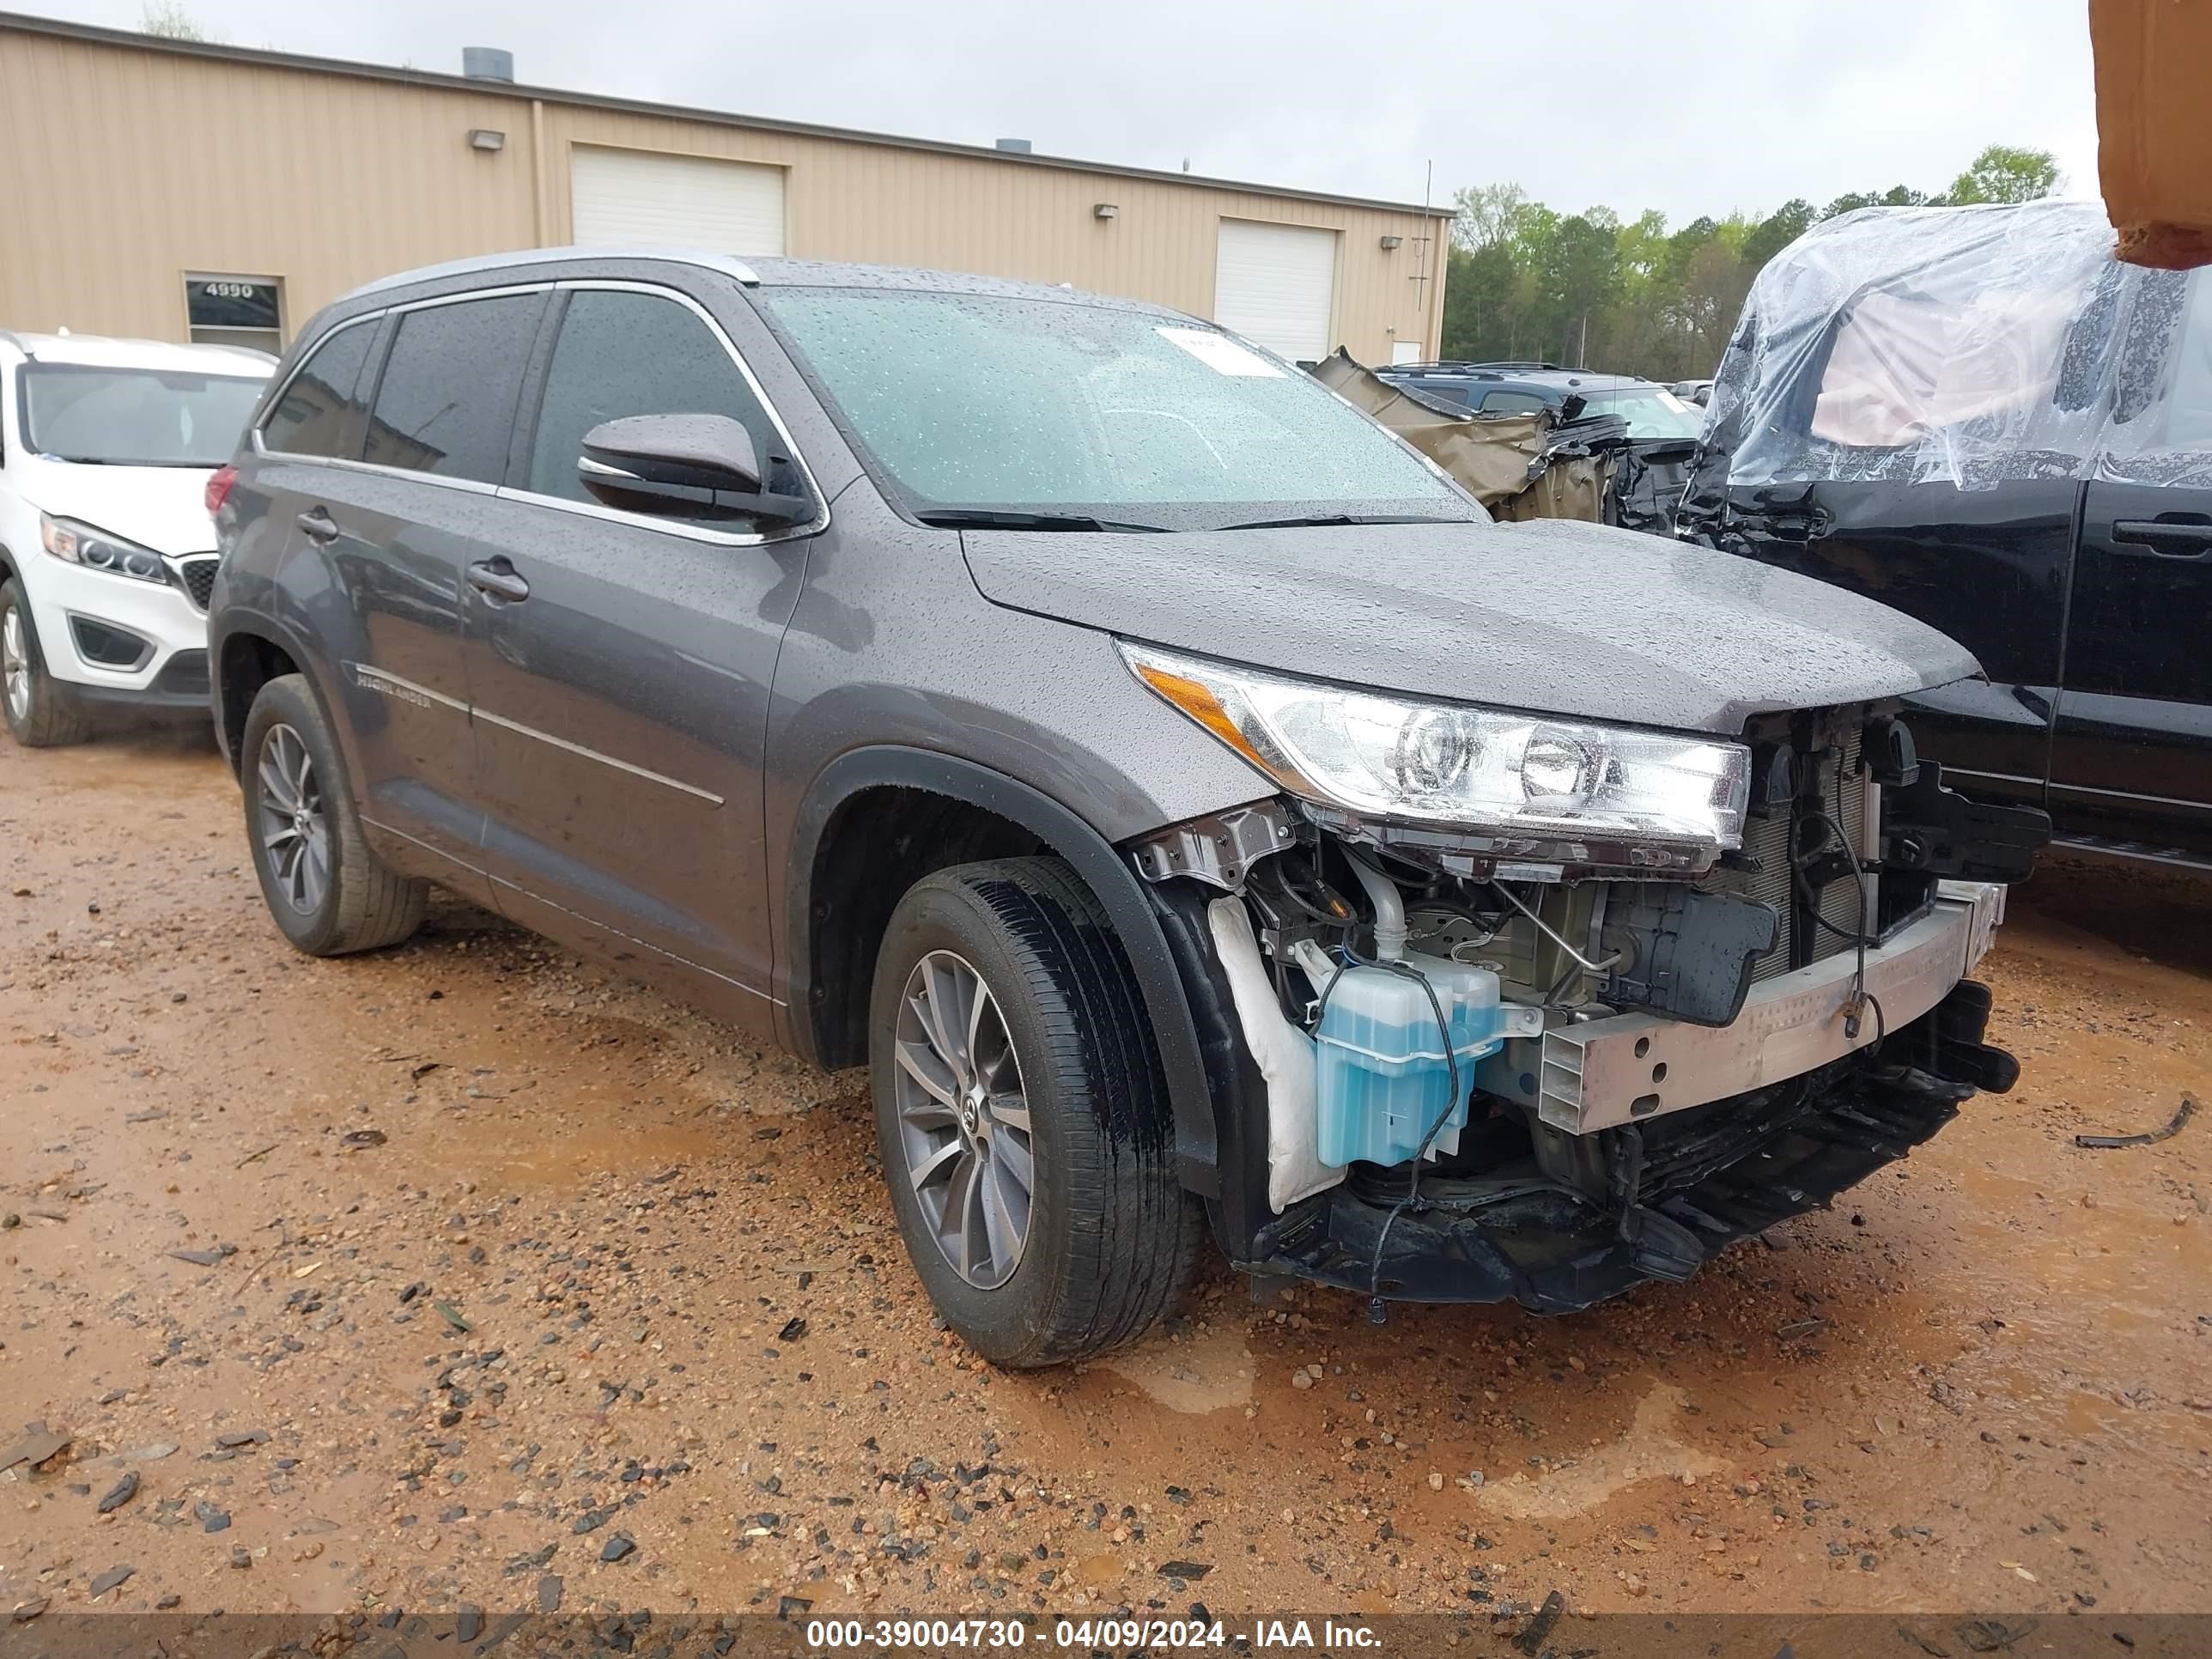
(2107, 1253)
(1650, 1450)
(1209, 1372)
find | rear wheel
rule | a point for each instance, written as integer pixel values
(1023, 1118)
(328, 893)
(37, 717)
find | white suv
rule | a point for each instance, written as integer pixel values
(106, 553)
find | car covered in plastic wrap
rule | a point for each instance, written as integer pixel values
(1978, 415)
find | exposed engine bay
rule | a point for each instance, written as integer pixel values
(1492, 1072)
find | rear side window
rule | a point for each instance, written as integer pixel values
(319, 412)
(1511, 403)
(623, 353)
(445, 403)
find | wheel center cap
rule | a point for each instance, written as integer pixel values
(971, 1111)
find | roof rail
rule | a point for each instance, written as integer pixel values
(1456, 366)
(536, 255)
(1444, 366)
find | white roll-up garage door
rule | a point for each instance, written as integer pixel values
(1277, 285)
(675, 201)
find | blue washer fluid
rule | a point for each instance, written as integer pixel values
(1381, 1077)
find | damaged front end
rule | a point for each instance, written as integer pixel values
(1460, 1065)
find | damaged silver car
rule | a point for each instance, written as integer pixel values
(1193, 811)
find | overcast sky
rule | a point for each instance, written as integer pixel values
(1693, 108)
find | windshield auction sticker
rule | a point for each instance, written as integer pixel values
(1221, 354)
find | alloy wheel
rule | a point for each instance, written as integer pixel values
(963, 1119)
(16, 663)
(296, 833)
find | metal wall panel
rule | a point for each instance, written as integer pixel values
(213, 162)
(127, 169)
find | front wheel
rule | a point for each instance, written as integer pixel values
(1023, 1118)
(327, 891)
(37, 718)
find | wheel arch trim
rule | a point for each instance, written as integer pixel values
(1068, 836)
(272, 630)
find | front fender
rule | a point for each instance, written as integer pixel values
(1104, 869)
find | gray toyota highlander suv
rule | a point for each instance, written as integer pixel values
(1195, 813)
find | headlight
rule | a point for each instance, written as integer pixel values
(95, 549)
(1551, 788)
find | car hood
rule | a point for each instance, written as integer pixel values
(1550, 616)
(163, 507)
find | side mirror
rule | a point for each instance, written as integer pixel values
(683, 466)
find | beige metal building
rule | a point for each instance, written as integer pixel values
(183, 190)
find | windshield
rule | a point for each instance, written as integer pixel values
(1652, 411)
(135, 417)
(970, 403)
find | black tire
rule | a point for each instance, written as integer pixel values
(48, 722)
(1113, 1241)
(364, 905)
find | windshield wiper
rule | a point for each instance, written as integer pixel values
(1315, 519)
(982, 518)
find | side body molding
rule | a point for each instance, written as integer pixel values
(1104, 870)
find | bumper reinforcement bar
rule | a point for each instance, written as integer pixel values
(1627, 1069)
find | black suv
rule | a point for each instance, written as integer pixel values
(1122, 745)
(1978, 415)
(1654, 413)
(1650, 430)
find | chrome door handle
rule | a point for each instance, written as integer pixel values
(317, 524)
(496, 578)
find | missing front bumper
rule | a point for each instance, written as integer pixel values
(1628, 1068)
(1765, 1160)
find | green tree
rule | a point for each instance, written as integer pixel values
(2003, 174)
(1713, 293)
(1577, 275)
(1643, 249)
(1483, 297)
(1487, 214)
(1777, 231)
(1733, 232)
(1895, 195)
(1631, 294)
